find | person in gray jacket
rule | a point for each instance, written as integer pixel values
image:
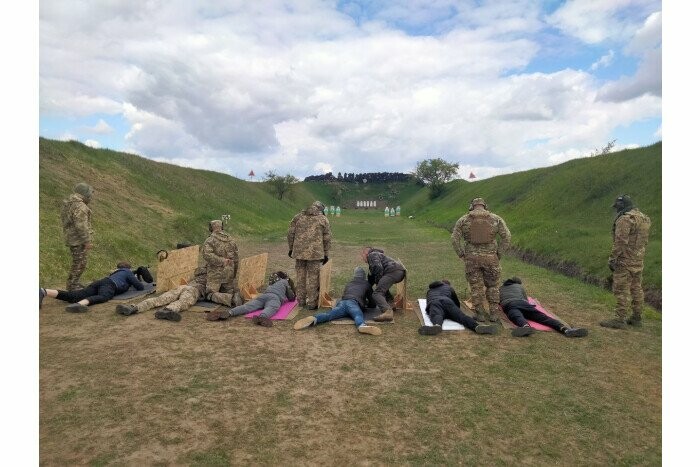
(513, 299)
(385, 272)
(280, 289)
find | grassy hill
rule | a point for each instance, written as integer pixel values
(394, 193)
(141, 206)
(561, 216)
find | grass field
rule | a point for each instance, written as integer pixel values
(138, 391)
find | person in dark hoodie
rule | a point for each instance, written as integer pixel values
(513, 299)
(99, 291)
(357, 296)
(443, 303)
(385, 272)
(279, 290)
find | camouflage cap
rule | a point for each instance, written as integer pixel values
(216, 224)
(477, 201)
(319, 205)
(83, 189)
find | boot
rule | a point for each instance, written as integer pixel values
(429, 330)
(127, 310)
(77, 308)
(217, 315)
(486, 329)
(635, 320)
(305, 323)
(575, 332)
(237, 299)
(373, 330)
(170, 315)
(387, 315)
(614, 323)
(523, 331)
(480, 316)
(493, 317)
(262, 321)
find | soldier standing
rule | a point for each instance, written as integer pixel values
(220, 253)
(77, 228)
(630, 237)
(309, 240)
(481, 254)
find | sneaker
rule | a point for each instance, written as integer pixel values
(373, 330)
(42, 294)
(614, 323)
(127, 310)
(486, 329)
(305, 323)
(430, 330)
(312, 307)
(170, 315)
(635, 320)
(576, 332)
(77, 308)
(262, 321)
(523, 331)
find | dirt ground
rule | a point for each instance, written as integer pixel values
(118, 390)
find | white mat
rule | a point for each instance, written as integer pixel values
(447, 325)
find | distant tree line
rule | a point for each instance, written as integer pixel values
(372, 177)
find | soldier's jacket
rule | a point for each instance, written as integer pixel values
(76, 219)
(217, 248)
(199, 281)
(630, 238)
(380, 264)
(475, 234)
(309, 235)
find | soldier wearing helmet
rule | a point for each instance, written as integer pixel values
(76, 219)
(309, 241)
(474, 239)
(630, 234)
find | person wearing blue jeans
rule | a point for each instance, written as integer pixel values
(356, 296)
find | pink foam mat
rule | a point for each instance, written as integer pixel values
(535, 325)
(282, 313)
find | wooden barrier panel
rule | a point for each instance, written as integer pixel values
(324, 286)
(176, 267)
(401, 300)
(251, 275)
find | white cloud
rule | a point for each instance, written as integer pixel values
(101, 127)
(604, 61)
(92, 143)
(67, 136)
(303, 89)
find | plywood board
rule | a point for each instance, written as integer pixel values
(324, 286)
(401, 300)
(251, 275)
(176, 267)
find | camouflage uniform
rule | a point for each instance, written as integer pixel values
(220, 278)
(181, 298)
(630, 238)
(309, 240)
(481, 253)
(76, 220)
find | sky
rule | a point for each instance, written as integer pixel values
(307, 86)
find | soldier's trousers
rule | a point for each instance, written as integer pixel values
(382, 289)
(179, 299)
(627, 282)
(221, 284)
(308, 279)
(78, 255)
(483, 274)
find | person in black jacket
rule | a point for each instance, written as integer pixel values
(99, 291)
(385, 272)
(357, 296)
(443, 303)
(513, 299)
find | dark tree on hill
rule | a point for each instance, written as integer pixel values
(279, 185)
(436, 173)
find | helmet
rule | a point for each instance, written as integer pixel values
(623, 203)
(216, 224)
(476, 201)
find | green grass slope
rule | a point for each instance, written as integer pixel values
(562, 214)
(142, 206)
(402, 191)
